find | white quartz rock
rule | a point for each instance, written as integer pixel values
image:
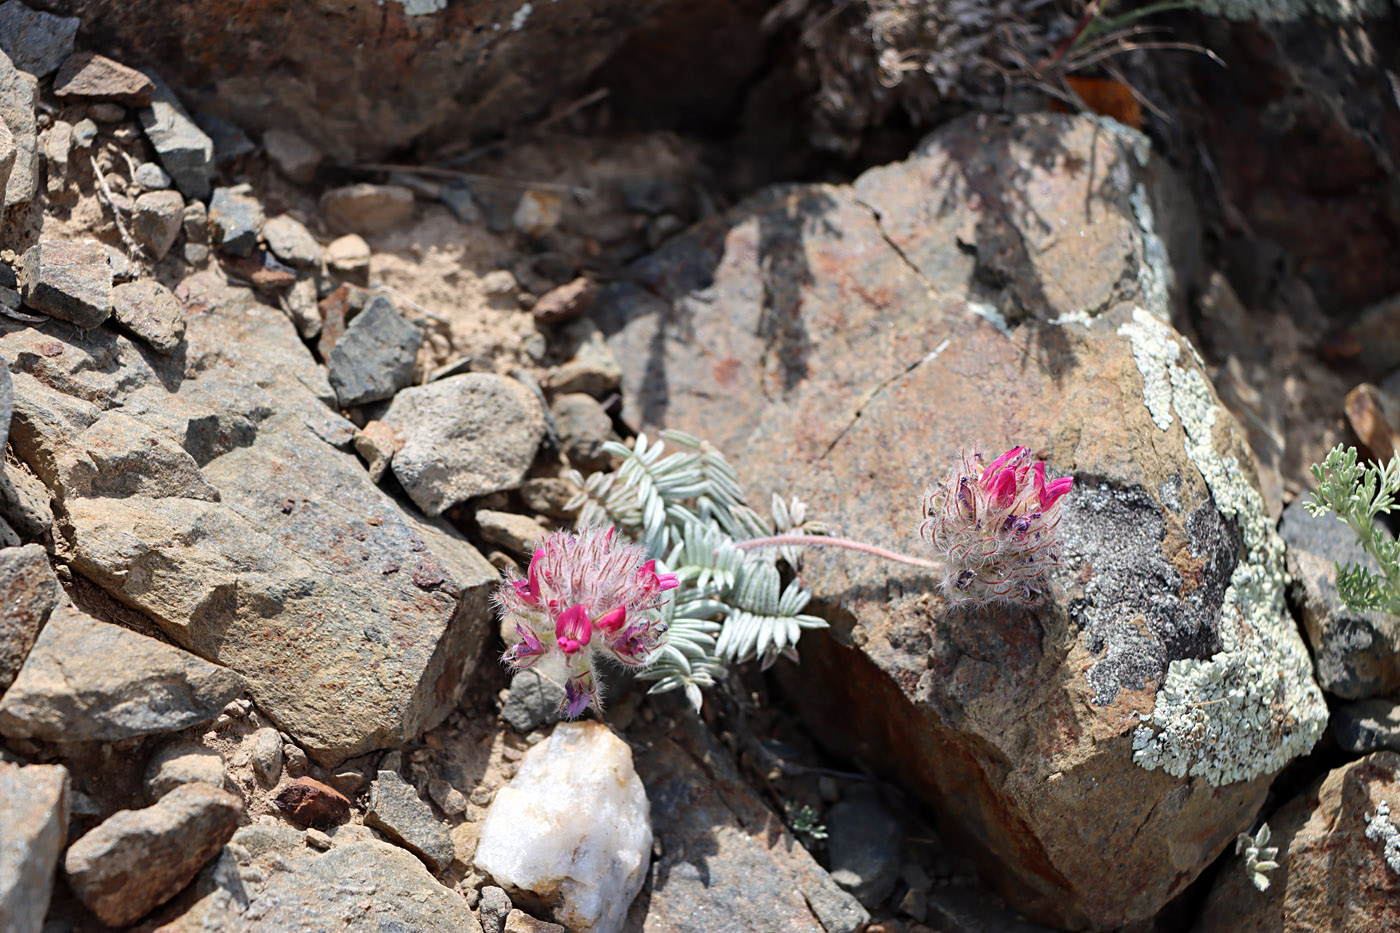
(572, 828)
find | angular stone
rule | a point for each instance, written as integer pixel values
(396, 810)
(268, 881)
(8, 152)
(150, 311)
(38, 42)
(464, 436)
(532, 702)
(151, 177)
(137, 859)
(88, 76)
(182, 762)
(267, 755)
(355, 623)
(518, 921)
(308, 802)
(377, 443)
(24, 502)
(19, 95)
(85, 133)
(593, 368)
(586, 863)
(237, 218)
(1338, 857)
(1367, 725)
(348, 257)
(185, 151)
(367, 209)
(495, 906)
(299, 302)
(87, 680)
(863, 839)
(565, 303)
(516, 533)
(584, 427)
(7, 401)
(375, 356)
(291, 242)
(1357, 653)
(755, 874)
(33, 832)
(56, 143)
(292, 154)
(157, 219)
(29, 592)
(861, 336)
(68, 279)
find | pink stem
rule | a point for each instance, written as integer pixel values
(824, 541)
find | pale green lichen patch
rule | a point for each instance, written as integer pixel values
(1253, 706)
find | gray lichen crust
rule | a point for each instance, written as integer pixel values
(1253, 706)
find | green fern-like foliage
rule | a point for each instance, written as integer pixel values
(1358, 492)
(687, 509)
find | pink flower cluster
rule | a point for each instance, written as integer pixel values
(993, 527)
(586, 596)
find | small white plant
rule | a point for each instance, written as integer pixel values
(1258, 856)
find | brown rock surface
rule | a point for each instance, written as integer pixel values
(90, 77)
(308, 802)
(28, 594)
(33, 830)
(137, 859)
(1006, 283)
(1339, 860)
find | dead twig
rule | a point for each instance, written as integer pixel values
(111, 201)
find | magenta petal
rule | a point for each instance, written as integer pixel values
(574, 629)
(1055, 490)
(613, 620)
(668, 581)
(999, 462)
(1003, 488)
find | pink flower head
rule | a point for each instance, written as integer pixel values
(585, 596)
(994, 527)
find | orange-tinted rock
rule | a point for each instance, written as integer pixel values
(308, 802)
(92, 77)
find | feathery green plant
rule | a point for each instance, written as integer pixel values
(1258, 855)
(687, 510)
(1357, 493)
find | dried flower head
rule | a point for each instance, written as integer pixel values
(585, 596)
(993, 527)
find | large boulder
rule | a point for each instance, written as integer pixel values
(243, 529)
(1009, 283)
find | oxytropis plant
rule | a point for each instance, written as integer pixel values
(702, 586)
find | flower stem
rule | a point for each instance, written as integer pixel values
(824, 541)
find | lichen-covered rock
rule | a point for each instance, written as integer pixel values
(267, 880)
(136, 859)
(464, 436)
(33, 831)
(86, 680)
(752, 873)
(584, 852)
(1338, 855)
(991, 288)
(353, 622)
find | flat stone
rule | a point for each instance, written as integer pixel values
(179, 762)
(29, 592)
(532, 702)
(308, 802)
(291, 242)
(150, 311)
(56, 143)
(348, 257)
(367, 209)
(377, 443)
(137, 859)
(185, 151)
(237, 217)
(375, 356)
(1357, 653)
(267, 755)
(354, 622)
(518, 921)
(268, 881)
(863, 840)
(851, 331)
(396, 810)
(33, 832)
(588, 862)
(566, 303)
(36, 41)
(755, 875)
(515, 532)
(1338, 857)
(230, 142)
(19, 96)
(86, 680)
(457, 197)
(151, 177)
(68, 279)
(464, 436)
(157, 221)
(24, 502)
(87, 76)
(293, 155)
(1367, 725)
(584, 427)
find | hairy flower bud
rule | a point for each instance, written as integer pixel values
(993, 527)
(586, 596)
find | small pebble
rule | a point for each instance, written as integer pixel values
(317, 839)
(151, 176)
(84, 132)
(499, 282)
